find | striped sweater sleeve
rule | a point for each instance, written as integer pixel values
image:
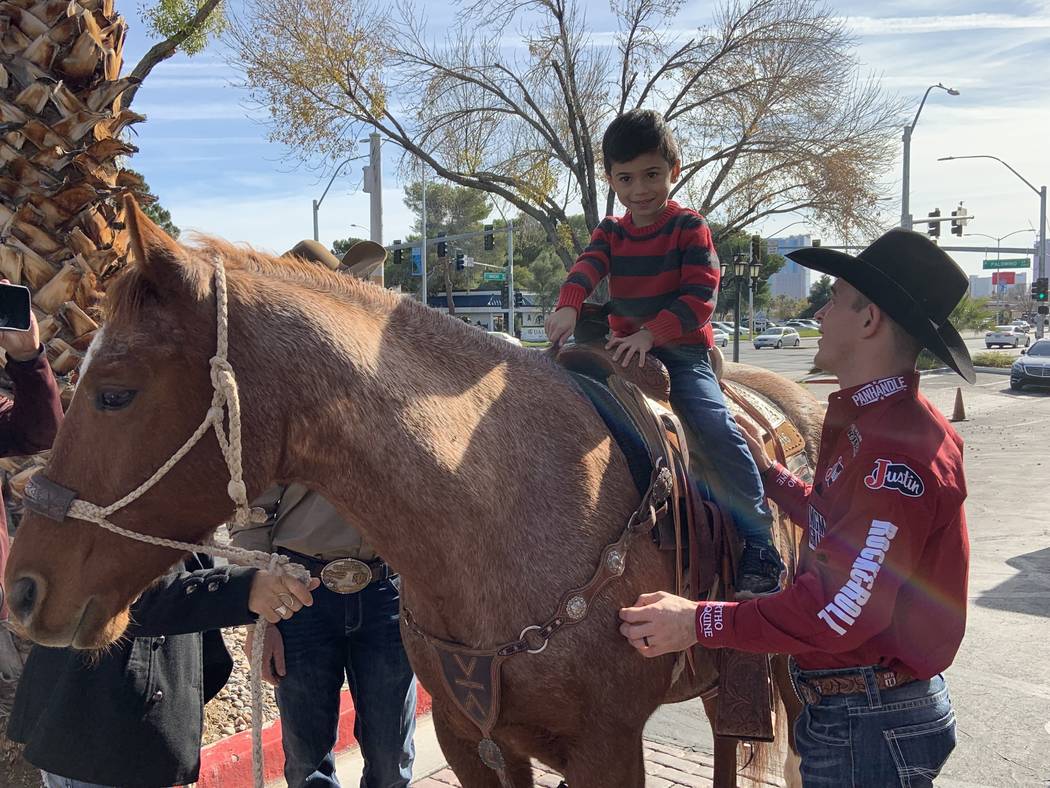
(589, 269)
(698, 289)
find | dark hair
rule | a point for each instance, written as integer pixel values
(634, 133)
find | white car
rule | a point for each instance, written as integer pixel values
(726, 328)
(721, 337)
(778, 337)
(1006, 336)
(802, 322)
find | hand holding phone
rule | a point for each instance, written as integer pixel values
(19, 334)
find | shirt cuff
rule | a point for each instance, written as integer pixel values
(29, 363)
(571, 295)
(664, 327)
(776, 475)
(714, 624)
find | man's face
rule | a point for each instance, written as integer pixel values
(840, 328)
(643, 184)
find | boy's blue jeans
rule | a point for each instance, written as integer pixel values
(356, 636)
(901, 736)
(697, 398)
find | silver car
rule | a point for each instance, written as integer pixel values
(721, 337)
(1006, 336)
(778, 337)
(1032, 368)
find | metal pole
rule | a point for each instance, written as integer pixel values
(736, 319)
(906, 181)
(423, 242)
(315, 221)
(1042, 252)
(375, 187)
(510, 276)
(751, 311)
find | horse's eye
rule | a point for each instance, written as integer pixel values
(115, 400)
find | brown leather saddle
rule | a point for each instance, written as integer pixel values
(699, 531)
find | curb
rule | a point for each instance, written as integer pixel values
(227, 763)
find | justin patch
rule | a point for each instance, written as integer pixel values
(895, 476)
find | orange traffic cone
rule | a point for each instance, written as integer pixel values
(959, 413)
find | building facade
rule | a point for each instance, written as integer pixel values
(792, 280)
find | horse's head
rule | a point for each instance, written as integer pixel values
(144, 389)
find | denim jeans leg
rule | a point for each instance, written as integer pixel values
(57, 781)
(308, 695)
(384, 688)
(698, 399)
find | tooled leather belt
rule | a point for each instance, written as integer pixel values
(343, 575)
(811, 690)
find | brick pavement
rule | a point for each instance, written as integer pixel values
(667, 766)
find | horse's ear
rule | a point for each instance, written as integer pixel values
(158, 256)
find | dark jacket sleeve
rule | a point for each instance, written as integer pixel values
(193, 602)
(28, 422)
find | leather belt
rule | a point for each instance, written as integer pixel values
(811, 690)
(343, 575)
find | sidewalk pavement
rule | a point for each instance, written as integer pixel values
(667, 765)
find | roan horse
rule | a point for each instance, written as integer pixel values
(472, 465)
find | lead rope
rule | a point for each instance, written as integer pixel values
(225, 398)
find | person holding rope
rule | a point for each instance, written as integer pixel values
(132, 715)
(878, 606)
(352, 633)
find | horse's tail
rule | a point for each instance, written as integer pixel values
(775, 762)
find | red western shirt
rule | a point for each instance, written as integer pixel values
(882, 572)
(663, 276)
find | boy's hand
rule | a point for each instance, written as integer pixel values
(560, 324)
(640, 342)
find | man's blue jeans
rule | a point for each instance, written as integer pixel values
(901, 736)
(356, 636)
(57, 781)
(697, 398)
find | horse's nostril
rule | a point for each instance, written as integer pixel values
(22, 597)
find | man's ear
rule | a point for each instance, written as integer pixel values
(872, 318)
(157, 256)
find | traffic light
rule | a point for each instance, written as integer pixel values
(504, 295)
(933, 229)
(490, 242)
(460, 261)
(397, 252)
(519, 298)
(442, 247)
(815, 242)
(756, 248)
(959, 221)
(1039, 290)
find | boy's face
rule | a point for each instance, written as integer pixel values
(643, 184)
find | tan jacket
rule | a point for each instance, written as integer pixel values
(304, 522)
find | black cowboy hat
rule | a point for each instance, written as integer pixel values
(916, 283)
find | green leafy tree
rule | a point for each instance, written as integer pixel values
(819, 294)
(342, 245)
(544, 277)
(783, 307)
(971, 313)
(151, 204)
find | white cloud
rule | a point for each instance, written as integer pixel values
(876, 26)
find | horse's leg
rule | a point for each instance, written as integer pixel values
(597, 754)
(725, 749)
(463, 758)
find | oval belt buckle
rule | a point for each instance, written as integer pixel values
(346, 575)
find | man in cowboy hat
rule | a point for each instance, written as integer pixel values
(878, 606)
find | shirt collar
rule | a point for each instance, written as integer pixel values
(847, 403)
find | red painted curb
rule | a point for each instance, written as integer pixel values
(227, 763)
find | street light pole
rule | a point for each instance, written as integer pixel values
(1042, 217)
(317, 203)
(906, 222)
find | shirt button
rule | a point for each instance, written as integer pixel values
(213, 585)
(158, 695)
(191, 588)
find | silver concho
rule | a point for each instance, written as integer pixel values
(576, 607)
(615, 562)
(491, 755)
(346, 575)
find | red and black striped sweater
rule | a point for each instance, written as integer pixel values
(663, 277)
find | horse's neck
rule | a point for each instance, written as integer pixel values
(475, 470)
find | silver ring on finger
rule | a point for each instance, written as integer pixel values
(281, 610)
(286, 600)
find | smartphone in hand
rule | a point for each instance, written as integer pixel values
(15, 308)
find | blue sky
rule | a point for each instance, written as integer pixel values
(208, 158)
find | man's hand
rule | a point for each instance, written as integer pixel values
(659, 623)
(560, 324)
(273, 667)
(755, 442)
(21, 345)
(276, 595)
(640, 342)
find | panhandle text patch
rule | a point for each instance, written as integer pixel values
(895, 476)
(879, 390)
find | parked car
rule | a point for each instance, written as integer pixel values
(1032, 367)
(778, 337)
(727, 328)
(721, 337)
(1022, 324)
(1006, 336)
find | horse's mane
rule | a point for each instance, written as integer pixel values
(131, 291)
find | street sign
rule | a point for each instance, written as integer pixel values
(493, 276)
(417, 262)
(1018, 262)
